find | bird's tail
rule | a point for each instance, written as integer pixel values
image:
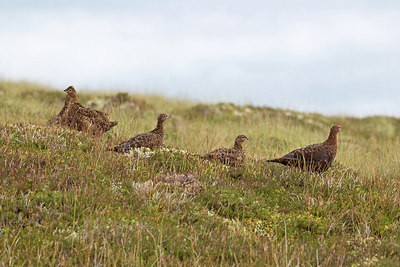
(121, 148)
(200, 156)
(273, 160)
(116, 149)
(112, 124)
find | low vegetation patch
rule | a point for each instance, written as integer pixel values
(66, 200)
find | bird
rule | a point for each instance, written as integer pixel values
(68, 101)
(234, 156)
(316, 157)
(78, 117)
(152, 139)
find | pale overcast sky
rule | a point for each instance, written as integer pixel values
(332, 57)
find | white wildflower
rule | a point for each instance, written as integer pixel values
(116, 187)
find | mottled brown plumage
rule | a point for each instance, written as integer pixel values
(152, 139)
(234, 156)
(74, 115)
(316, 157)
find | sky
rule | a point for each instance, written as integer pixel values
(331, 57)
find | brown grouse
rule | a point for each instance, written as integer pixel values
(234, 156)
(154, 138)
(77, 117)
(316, 157)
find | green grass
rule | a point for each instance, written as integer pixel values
(65, 200)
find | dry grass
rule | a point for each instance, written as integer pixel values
(65, 200)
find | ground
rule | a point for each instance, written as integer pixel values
(66, 200)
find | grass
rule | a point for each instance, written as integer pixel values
(65, 200)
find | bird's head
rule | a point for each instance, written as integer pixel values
(162, 118)
(70, 91)
(241, 138)
(336, 129)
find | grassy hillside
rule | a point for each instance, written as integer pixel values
(65, 200)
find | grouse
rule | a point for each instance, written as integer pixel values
(152, 139)
(234, 156)
(316, 157)
(76, 116)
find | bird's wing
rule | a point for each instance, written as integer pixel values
(91, 113)
(97, 121)
(225, 155)
(216, 154)
(144, 140)
(315, 153)
(100, 114)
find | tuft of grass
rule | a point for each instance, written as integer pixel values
(64, 199)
